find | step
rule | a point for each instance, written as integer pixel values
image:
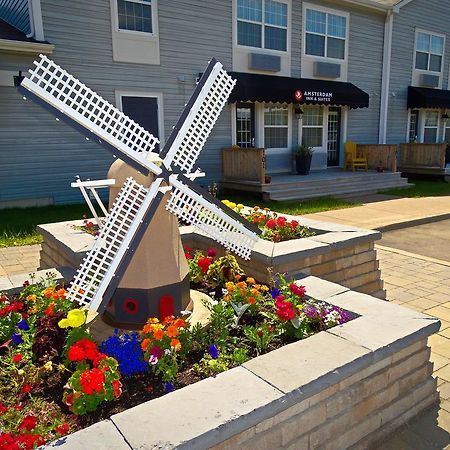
(347, 186)
(300, 195)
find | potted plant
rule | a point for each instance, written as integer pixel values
(303, 156)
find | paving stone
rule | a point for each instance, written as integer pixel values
(440, 312)
(444, 373)
(422, 303)
(438, 360)
(437, 339)
(445, 333)
(241, 395)
(444, 391)
(100, 436)
(310, 365)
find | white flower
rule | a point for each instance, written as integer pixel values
(185, 312)
(167, 351)
(153, 360)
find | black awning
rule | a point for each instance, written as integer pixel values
(269, 88)
(419, 97)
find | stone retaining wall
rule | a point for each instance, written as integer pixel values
(347, 387)
(338, 253)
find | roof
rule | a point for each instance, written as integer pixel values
(13, 40)
(11, 33)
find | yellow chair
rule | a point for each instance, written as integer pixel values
(353, 159)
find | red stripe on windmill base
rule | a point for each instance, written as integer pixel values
(166, 307)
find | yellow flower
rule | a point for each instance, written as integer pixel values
(251, 280)
(33, 310)
(31, 298)
(239, 206)
(48, 366)
(75, 318)
(264, 288)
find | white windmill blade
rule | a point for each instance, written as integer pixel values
(199, 116)
(69, 96)
(113, 244)
(192, 207)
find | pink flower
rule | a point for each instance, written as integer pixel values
(297, 290)
(212, 252)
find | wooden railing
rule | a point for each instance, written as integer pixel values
(377, 155)
(422, 156)
(244, 164)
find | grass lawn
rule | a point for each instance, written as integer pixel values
(422, 188)
(310, 206)
(18, 225)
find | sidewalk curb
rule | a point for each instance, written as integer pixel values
(413, 222)
(412, 255)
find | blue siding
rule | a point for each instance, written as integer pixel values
(16, 13)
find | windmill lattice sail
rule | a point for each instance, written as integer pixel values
(102, 269)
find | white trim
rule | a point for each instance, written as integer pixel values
(386, 76)
(233, 123)
(400, 4)
(275, 150)
(26, 47)
(326, 10)
(37, 27)
(159, 98)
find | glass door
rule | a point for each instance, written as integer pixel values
(245, 125)
(333, 136)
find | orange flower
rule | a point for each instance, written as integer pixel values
(145, 343)
(172, 331)
(237, 277)
(168, 320)
(48, 292)
(180, 323)
(55, 296)
(50, 310)
(176, 344)
(158, 334)
(242, 285)
(148, 328)
(227, 298)
(251, 280)
(251, 300)
(254, 292)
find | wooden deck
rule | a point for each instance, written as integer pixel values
(324, 183)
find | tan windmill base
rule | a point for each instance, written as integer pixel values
(101, 330)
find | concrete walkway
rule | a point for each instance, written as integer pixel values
(17, 260)
(390, 214)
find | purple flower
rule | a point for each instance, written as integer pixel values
(345, 317)
(275, 293)
(169, 387)
(213, 351)
(17, 338)
(156, 351)
(23, 325)
(310, 311)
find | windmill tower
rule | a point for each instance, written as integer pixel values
(140, 225)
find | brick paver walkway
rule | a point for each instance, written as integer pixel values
(16, 260)
(423, 284)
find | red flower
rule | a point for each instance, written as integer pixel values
(297, 290)
(18, 407)
(294, 223)
(62, 429)
(50, 310)
(271, 223)
(28, 423)
(98, 358)
(3, 409)
(259, 333)
(285, 313)
(17, 358)
(188, 256)
(25, 316)
(117, 388)
(26, 388)
(92, 381)
(3, 298)
(281, 221)
(204, 263)
(82, 349)
(69, 399)
(212, 252)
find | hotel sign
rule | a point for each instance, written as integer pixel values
(313, 96)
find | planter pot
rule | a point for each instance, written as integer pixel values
(303, 164)
(267, 179)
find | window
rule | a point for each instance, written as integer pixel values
(447, 133)
(312, 128)
(429, 52)
(430, 127)
(262, 24)
(144, 111)
(276, 127)
(413, 125)
(135, 15)
(325, 34)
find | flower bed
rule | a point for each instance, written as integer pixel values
(55, 378)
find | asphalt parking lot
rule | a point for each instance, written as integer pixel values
(431, 239)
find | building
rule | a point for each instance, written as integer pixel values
(312, 71)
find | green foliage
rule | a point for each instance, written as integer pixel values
(223, 269)
(209, 366)
(421, 188)
(260, 336)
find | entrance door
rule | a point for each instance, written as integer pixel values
(144, 111)
(333, 136)
(245, 125)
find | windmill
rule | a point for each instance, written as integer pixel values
(136, 206)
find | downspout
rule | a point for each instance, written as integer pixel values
(386, 75)
(37, 28)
